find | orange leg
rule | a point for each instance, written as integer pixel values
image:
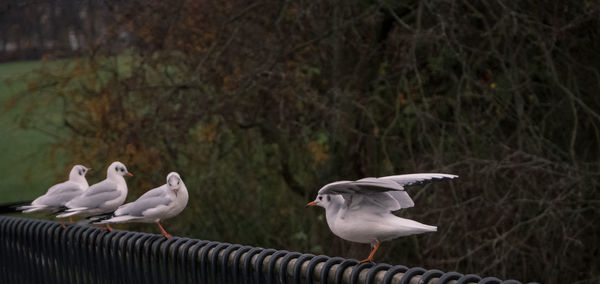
(70, 219)
(162, 230)
(108, 227)
(62, 221)
(370, 258)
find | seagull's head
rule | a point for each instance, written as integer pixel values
(322, 200)
(117, 168)
(174, 182)
(78, 172)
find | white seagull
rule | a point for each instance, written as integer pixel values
(103, 197)
(59, 194)
(155, 205)
(361, 211)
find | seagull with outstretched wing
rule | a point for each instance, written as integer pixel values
(361, 211)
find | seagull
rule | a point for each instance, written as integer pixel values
(157, 204)
(103, 197)
(61, 193)
(361, 211)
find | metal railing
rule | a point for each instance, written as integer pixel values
(40, 251)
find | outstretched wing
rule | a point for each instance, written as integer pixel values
(411, 179)
(379, 195)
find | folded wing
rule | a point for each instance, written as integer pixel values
(96, 195)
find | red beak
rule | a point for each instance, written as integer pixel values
(129, 174)
(89, 169)
(311, 204)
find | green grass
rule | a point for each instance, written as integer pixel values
(28, 165)
(23, 165)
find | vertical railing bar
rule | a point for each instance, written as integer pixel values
(185, 262)
(62, 242)
(248, 267)
(4, 248)
(194, 259)
(118, 256)
(26, 250)
(204, 260)
(356, 271)
(157, 264)
(129, 260)
(47, 253)
(272, 265)
(101, 266)
(76, 258)
(40, 239)
(39, 243)
(133, 266)
(176, 261)
(86, 273)
(372, 276)
(145, 244)
(312, 271)
(164, 251)
(235, 269)
(214, 261)
(111, 272)
(16, 251)
(297, 267)
(68, 249)
(68, 243)
(93, 256)
(283, 266)
(260, 265)
(55, 245)
(225, 263)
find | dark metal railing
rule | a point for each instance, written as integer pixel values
(40, 251)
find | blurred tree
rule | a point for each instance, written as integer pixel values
(259, 103)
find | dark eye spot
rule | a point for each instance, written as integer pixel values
(122, 169)
(320, 197)
(328, 198)
(80, 173)
(117, 169)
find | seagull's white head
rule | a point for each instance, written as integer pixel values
(78, 172)
(322, 200)
(174, 182)
(117, 169)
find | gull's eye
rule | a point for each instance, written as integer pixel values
(122, 169)
(320, 197)
(117, 169)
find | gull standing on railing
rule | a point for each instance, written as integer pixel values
(103, 197)
(360, 211)
(59, 194)
(155, 205)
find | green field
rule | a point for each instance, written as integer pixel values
(26, 167)
(29, 164)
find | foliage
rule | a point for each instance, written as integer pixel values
(259, 103)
